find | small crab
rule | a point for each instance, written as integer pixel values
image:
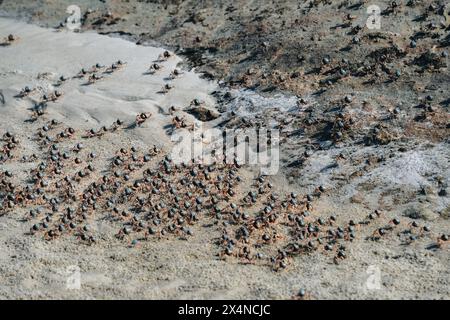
(83, 72)
(116, 125)
(60, 81)
(179, 122)
(9, 40)
(154, 68)
(172, 109)
(142, 117)
(442, 240)
(302, 295)
(94, 78)
(51, 235)
(197, 102)
(97, 67)
(164, 56)
(175, 73)
(25, 92)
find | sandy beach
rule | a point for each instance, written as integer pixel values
(96, 208)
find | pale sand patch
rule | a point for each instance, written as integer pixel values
(41, 56)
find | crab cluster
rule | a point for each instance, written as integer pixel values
(157, 66)
(93, 74)
(282, 227)
(98, 71)
(146, 195)
(7, 150)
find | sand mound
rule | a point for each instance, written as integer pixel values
(41, 56)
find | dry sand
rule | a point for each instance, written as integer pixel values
(31, 267)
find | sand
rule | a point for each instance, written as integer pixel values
(40, 57)
(31, 267)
